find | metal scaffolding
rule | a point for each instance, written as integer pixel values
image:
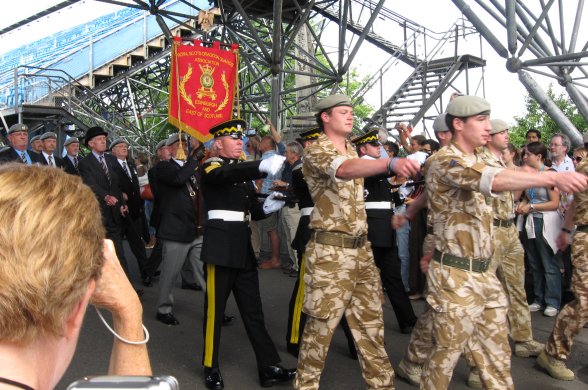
(537, 41)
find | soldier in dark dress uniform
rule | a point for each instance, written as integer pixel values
(378, 207)
(230, 264)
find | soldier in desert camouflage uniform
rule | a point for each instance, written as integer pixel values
(421, 338)
(468, 301)
(341, 278)
(574, 315)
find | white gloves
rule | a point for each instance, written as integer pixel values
(271, 205)
(272, 165)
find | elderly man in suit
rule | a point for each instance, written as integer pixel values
(132, 223)
(71, 159)
(178, 226)
(18, 136)
(97, 170)
(49, 140)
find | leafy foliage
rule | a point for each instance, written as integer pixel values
(536, 118)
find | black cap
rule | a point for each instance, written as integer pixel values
(311, 134)
(371, 137)
(233, 128)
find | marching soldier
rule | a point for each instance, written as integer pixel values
(574, 315)
(469, 304)
(378, 207)
(231, 267)
(296, 318)
(341, 278)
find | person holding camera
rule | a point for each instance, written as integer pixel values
(41, 312)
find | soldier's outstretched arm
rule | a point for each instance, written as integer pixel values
(509, 180)
(356, 168)
(216, 171)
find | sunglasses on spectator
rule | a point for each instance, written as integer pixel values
(577, 159)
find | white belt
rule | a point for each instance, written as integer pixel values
(306, 211)
(227, 215)
(378, 205)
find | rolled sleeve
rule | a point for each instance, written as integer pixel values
(488, 175)
(334, 166)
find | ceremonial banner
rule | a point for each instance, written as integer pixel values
(202, 86)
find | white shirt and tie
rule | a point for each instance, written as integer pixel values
(125, 168)
(50, 159)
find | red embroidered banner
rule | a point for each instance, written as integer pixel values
(202, 86)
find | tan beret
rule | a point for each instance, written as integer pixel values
(465, 106)
(498, 126)
(336, 100)
(439, 124)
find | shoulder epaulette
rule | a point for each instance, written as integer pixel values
(214, 159)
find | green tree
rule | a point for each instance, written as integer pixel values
(536, 118)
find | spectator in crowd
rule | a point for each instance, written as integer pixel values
(510, 156)
(49, 140)
(97, 170)
(40, 326)
(431, 147)
(133, 220)
(18, 136)
(36, 144)
(289, 216)
(71, 159)
(541, 228)
(579, 155)
(533, 135)
(252, 148)
(559, 147)
(270, 146)
(391, 148)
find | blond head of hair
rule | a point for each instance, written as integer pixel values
(51, 239)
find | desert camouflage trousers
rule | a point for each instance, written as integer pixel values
(468, 309)
(343, 282)
(574, 315)
(508, 262)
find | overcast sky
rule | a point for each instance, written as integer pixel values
(503, 89)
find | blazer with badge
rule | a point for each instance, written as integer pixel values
(94, 176)
(228, 186)
(176, 212)
(130, 186)
(379, 219)
(10, 155)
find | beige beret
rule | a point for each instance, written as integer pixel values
(498, 126)
(332, 101)
(465, 106)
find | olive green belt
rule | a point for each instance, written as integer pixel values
(339, 239)
(582, 228)
(503, 223)
(479, 265)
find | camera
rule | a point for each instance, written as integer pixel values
(126, 382)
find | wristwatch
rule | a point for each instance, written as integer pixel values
(531, 207)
